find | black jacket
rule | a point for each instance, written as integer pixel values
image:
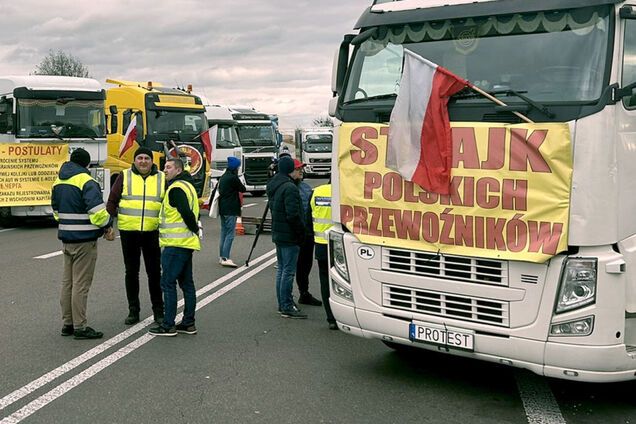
(229, 188)
(179, 200)
(287, 211)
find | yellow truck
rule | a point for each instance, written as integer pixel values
(164, 119)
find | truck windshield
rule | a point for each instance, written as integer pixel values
(516, 52)
(180, 125)
(318, 138)
(227, 138)
(62, 118)
(256, 135)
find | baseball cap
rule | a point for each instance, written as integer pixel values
(299, 164)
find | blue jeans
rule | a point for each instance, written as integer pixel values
(287, 257)
(228, 225)
(176, 264)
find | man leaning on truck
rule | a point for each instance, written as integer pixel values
(135, 199)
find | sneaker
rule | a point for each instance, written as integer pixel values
(186, 329)
(67, 330)
(308, 299)
(132, 318)
(160, 330)
(158, 318)
(229, 263)
(87, 333)
(221, 260)
(333, 326)
(293, 313)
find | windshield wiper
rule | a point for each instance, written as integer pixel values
(378, 97)
(467, 94)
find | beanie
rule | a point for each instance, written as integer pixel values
(143, 151)
(286, 165)
(233, 163)
(81, 157)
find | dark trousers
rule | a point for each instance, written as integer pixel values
(303, 267)
(323, 274)
(177, 266)
(133, 245)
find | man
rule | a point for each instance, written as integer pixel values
(287, 233)
(321, 216)
(305, 256)
(229, 208)
(179, 236)
(135, 199)
(78, 206)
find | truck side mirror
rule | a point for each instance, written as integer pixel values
(340, 62)
(140, 126)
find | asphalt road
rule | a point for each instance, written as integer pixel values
(246, 364)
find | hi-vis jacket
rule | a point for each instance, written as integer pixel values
(78, 205)
(173, 231)
(321, 212)
(141, 201)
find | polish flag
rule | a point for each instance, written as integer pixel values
(419, 144)
(208, 139)
(130, 137)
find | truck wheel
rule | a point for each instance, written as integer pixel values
(259, 193)
(6, 219)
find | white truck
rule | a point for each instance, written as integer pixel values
(313, 147)
(227, 140)
(454, 273)
(258, 140)
(45, 110)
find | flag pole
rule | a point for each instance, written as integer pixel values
(499, 102)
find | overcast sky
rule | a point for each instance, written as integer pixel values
(275, 55)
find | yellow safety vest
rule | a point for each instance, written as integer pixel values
(321, 212)
(173, 231)
(140, 201)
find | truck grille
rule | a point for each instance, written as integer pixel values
(320, 160)
(256, 170)
(464, 308)
(446, 267)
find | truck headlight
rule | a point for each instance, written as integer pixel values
(341, 291)
(337, 254)
(579, 327)
(578, 284)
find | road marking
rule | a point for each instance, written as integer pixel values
(49, 255)
(249, 205)
(75, 381)
(538, 401)
(79, 360)
(6, 229)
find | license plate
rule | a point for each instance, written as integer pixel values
(442, 336)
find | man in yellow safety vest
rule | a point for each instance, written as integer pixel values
(179, 236)
(321, 217)
(135, 199)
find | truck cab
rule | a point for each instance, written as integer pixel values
(314, 145)
(227, 140)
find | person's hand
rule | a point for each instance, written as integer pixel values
(109, 234)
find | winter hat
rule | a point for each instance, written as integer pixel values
(143, 151)
(81, 157)
(233, 163)
(286, 165)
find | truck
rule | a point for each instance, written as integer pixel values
(52, 110)
(530, 261)
(169, 121)
(227, 140)
(313, 147)
(258, 140)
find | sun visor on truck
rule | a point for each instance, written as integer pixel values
(25, 93)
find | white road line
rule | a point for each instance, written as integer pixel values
(249, 205)
(49, 255)
(75, 381)
(6, 229)
(538, 401)
(79, 360)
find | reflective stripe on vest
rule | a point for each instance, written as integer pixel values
(140, 201)
(172, 229)
(321, 212)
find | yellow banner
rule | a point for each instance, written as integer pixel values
(510, 192)
(28, 171)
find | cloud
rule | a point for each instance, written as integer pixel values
(275, 55)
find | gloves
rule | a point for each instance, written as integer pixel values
(200, 230)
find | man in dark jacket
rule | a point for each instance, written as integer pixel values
(287, 233)
(229, 208)
(79, 208)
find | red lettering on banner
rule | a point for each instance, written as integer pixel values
(465, 148)
(409, 192)
(496, 149)
(387, 222)
(479, 232)
(484, 200)
(515, 195)
(526, 151)
(392, 186)
(368, 153)
(360, 220)
(430, 227)
(407, 224)
(544, 237)
(346, 214)
(464, 230)
(374, 227)
(494, 232)
(372, 180)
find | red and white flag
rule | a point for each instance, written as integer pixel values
(130, 137)
(208, 139)
(419, 144)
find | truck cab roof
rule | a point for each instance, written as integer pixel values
(47, 83)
